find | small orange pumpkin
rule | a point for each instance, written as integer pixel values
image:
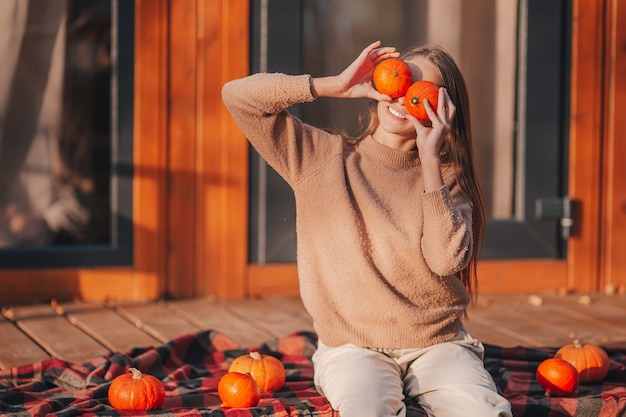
(557, 377)
(136, 391)
(415, 96)
(591, 361)
(392, 77)
(267, 371)
(237, 390)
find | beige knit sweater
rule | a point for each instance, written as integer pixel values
(377, 256)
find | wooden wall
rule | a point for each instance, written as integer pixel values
(208, 156)
(612, 269)
(191, 183)
(597, 129)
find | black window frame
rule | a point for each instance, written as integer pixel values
(120, 251)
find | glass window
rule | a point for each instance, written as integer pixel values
(515, 60)
(60, 134)
(481, 35)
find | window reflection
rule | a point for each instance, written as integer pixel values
(55, 112)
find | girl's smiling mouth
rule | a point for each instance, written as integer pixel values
(396, 113)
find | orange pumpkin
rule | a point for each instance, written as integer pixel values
(237, 390)
(136, 391)
(557, 377)
(267, 371)
(415, 96)
(591, 361)
(392, 77)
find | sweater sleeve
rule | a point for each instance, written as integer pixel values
(258, 103)
(448, 238)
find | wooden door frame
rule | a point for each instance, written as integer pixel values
(585, 143)
(597, 152)
(613, 202)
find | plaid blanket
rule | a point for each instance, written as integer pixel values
(190, 368)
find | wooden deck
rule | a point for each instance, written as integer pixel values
(76, 331)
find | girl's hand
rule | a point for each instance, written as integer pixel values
(430, 138)
(356, 80)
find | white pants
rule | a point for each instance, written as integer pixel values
(447, 379)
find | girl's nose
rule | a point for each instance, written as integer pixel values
(401, 100)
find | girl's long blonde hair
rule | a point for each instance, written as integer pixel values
(456, 149)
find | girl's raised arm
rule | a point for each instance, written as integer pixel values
(356, 80)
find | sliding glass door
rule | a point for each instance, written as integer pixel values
(515, 57)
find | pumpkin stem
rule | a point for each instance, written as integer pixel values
(136, 373)
(255, 355)
(577, 344)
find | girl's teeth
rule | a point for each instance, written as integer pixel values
(395, 113)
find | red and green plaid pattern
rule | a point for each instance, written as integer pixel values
(513, 370)
(190, 368)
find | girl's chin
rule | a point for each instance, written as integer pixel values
(397, 126)
(399, 132)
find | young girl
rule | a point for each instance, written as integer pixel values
(389, 225)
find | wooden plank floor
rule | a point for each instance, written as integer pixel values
(76, 331)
